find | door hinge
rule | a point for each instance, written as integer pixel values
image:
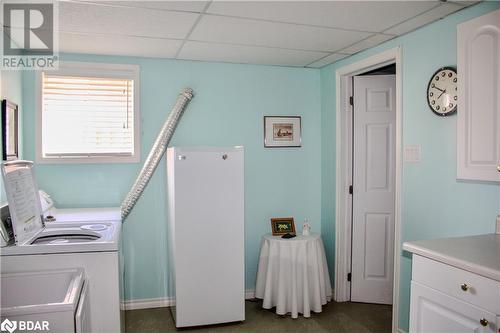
(351, 100)
(350, 189)
(349, 277)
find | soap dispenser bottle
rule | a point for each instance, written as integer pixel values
(306, 228)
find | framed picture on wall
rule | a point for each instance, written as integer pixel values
(282, 131)
(10, 131)
(282, 225)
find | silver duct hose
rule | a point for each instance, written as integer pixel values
(156, 152)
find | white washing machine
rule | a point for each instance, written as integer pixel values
(91, 245)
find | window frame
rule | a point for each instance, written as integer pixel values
(122, 71)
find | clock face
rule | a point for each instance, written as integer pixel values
(442, 91)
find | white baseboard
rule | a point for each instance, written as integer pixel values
(249, 294)
(162, 302)
(147, 303)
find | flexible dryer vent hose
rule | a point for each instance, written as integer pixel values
(156, 152)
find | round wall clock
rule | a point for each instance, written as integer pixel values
(442, 91)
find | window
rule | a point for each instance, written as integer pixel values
(88, 114)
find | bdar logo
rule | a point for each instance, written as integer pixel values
(8, 325)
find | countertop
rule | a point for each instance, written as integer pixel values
(477, 254)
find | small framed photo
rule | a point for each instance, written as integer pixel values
(282, 225)
(282, 131)
(10, 131)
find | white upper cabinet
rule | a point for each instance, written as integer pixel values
(478, 124)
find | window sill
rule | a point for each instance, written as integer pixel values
(88, 160)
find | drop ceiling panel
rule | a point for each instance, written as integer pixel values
(251, 32)
(367, 43)
(328, 60)
(247, 54)
(189, 6)
(118, 45)
(91, 18)
(423, 19)
(287, 33)
(356, 15)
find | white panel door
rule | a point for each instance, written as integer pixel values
(432, 311)
(478, 123)
(373, 193)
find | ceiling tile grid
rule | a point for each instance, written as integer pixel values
(120, 20)
(366, 43)
(183, 6)
(194, 50)
(438, 12)
(121, 45)
(284, 33)
(272, 34)
(331, 58)
(371, 16)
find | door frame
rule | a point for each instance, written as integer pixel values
(343, 204)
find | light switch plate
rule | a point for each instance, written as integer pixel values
(412, 153)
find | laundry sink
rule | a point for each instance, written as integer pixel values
(50, 296)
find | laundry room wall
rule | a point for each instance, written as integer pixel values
(228, 108)
(434, 203)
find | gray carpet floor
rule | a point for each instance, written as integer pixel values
(336, 317)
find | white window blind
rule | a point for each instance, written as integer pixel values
(87, 116)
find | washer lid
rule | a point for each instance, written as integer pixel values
(23, 198)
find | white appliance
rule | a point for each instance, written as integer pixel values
(55, 301)
(93, 246)
(53, 215)
(206, 235)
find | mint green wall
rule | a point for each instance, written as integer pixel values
(434, 203)
(11, 89)
(328, 167)
(227, 110)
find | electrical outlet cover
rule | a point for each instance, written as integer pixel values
(412, 153)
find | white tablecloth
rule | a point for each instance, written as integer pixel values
(293, 275)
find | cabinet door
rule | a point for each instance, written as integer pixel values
(432, 311)
(478, 124)
(82, 315)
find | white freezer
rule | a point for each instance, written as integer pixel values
(206, 234)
